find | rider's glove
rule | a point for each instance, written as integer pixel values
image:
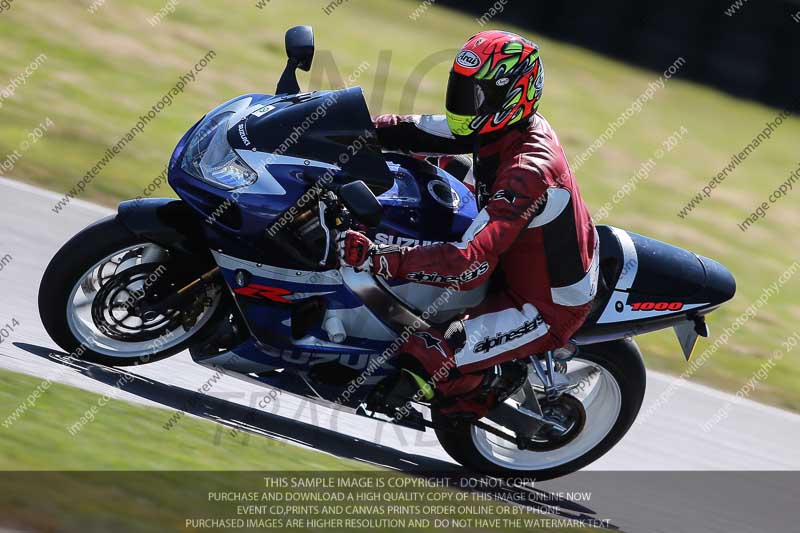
(356, 250)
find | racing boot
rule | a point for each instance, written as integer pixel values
(428, 373)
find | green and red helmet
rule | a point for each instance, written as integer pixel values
(496, 82)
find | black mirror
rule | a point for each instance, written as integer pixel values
(300, 46)
(300, 50)
(362, 204)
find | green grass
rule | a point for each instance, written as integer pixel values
(141, 477)
(131, 437)
(104, 70)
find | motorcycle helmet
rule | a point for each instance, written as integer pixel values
(496, 82)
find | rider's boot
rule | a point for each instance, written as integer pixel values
(428, 373)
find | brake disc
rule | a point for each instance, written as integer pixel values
(115, 308)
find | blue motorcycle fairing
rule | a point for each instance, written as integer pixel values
(423, 204)
(269, 311)
(259, 360)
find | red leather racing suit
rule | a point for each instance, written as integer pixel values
(535, 230)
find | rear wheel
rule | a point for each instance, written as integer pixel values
(596, 414)
(97, 297)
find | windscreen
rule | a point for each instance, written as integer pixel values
(329, 126)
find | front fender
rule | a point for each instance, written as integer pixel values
(164, 221)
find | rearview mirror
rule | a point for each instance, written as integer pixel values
(362, 204)
(300, 46)
(300, 50)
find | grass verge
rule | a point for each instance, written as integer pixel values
(123, 472)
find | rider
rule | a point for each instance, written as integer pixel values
(534, 229)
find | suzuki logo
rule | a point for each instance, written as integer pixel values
(243, 135)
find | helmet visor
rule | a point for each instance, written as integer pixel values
(464, 99)
(464, 96)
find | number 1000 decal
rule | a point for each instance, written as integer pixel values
(657, 306)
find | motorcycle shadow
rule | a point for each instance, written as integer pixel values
(242, 421)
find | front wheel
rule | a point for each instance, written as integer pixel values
(97, 297)
(610, 379)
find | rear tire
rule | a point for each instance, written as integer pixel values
(66, 269)
(622, 359)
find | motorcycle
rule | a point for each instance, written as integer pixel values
(242, 272)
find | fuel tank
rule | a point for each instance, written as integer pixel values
(426, 206)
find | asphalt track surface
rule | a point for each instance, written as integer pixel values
(667, 474)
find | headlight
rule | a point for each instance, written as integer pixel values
(209, 156)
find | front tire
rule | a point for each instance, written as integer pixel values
(78, 271)
(623, 362)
